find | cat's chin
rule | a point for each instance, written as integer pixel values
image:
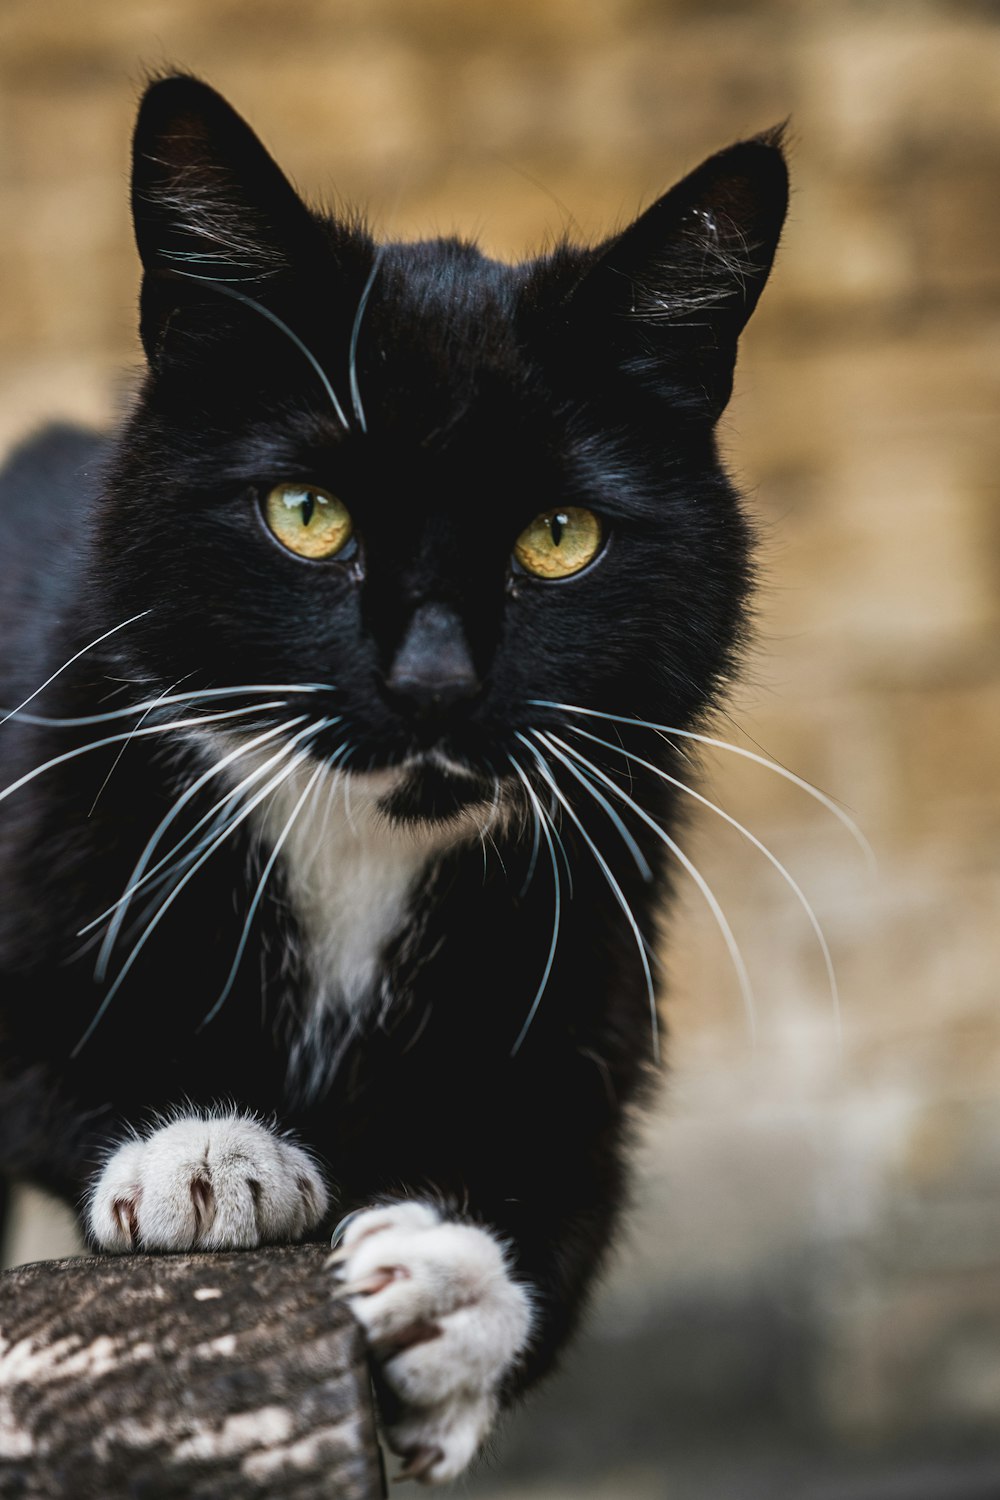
(434, 788)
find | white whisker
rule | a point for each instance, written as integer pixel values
(137, 879)
(359, 410)
(116, 739)
(116, 762)
(758, 844)
(157, 702)
(612, 882)
(553, 813)
(168, 872)
(265, 312)
(713, 902)
(541, 822)
(76, 657)
(165, 905)
(535, 847)
(258, 895)
(640, 860)
(706, 739)
(196, 695)
(485, 830)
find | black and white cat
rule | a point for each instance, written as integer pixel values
(336, 818)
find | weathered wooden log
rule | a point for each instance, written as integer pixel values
(183, 1377)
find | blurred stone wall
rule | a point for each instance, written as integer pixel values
(814, 1263)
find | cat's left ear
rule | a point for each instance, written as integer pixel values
(674, 291)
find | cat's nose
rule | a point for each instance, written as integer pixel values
(433, 667)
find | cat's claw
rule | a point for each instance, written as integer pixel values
(206, 1183)
(445, 1322)
(419, 1463)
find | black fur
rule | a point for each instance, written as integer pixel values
(488, 393)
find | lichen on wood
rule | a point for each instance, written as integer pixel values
(183, 1377)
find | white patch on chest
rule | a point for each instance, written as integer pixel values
(350, 875)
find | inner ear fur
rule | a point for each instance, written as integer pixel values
(207, 197)
(675, 289)
(210, 206)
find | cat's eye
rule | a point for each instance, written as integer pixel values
(307, 520)
(559, 543)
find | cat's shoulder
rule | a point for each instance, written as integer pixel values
(48, 485)
(51, 466)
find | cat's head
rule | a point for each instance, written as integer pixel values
(443, 487)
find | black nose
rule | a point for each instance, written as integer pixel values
(433, 667)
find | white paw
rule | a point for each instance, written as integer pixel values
(225, 1183)
(445, 1321)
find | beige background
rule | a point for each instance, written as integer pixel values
(809, 1303)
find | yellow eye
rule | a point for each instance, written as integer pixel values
(559, 542)
(307, 520)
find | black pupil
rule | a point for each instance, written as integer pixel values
(558, 526)
(308, 509)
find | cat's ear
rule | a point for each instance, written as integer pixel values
(209, 203)
(676, 288)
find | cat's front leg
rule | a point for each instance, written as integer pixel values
(205, 1182)
(446, 1322)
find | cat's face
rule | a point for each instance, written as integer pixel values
(440, 487)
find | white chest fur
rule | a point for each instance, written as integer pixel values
(351, 876)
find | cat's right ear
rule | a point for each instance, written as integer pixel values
(210, 204)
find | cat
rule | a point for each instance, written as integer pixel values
(336, 822)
